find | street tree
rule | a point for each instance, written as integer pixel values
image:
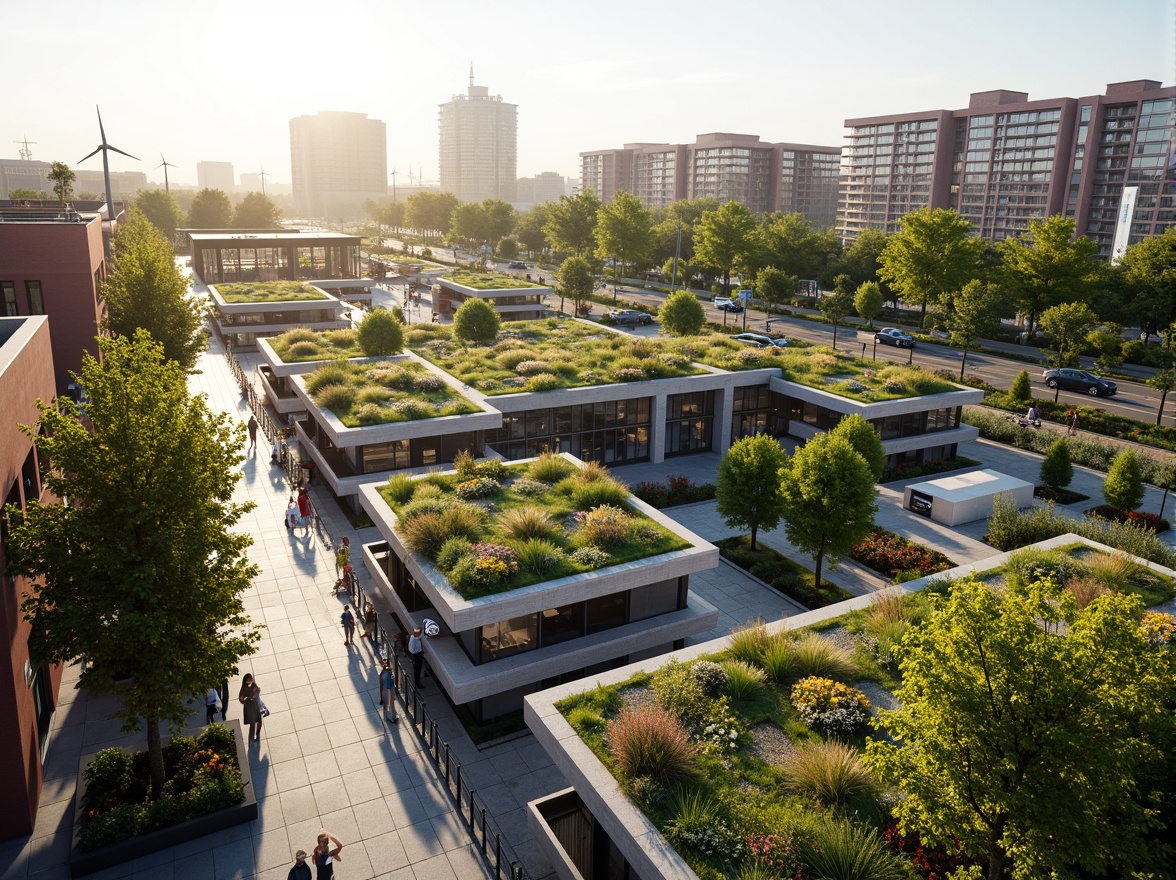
(829, 494)
(1149, 270)
(775, 285)
(507, 248)
(210, 210)
(141, 575)
(791, 243)
(1021, 390)
(529, 229)
(860, 261)
(576, 282)
(571, 222)
(1163, 382)
(1057, 471)
(1022, 728)
(162, 211)
(836, 307)
(681, 314)
(468, 224)
(726, 239)
(978, 308)
(624, 233)
(868, 301)
(499, 219)
(145, 290)
(63, 179)
(1067, 325)
(1123, 487)
(1107, 344)
(864, 439)
(748, 487)
(930, 258)
(256, 211)
(380, 333)
(1047, 266)
(430, 213)
(476, 323)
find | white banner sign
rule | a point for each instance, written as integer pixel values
(1123, 227)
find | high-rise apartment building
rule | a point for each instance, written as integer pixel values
(338, 161)
(1006, 160)
(216, 175)
(766, 177)
(479, 136)
(547, 186)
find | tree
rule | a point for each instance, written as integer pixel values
(1067, 325)
(623, 232)
(977, 311)
(507, 249)
(145, 290)
(775, 285)
(21, 192)
(430, 213)
(1022, 723)
(861, 259)
(868, 301)
(930, 258)
(792, 244)
(256, 211)
(529, 229)
(1164, 383)
(681, 314)
(63, 179)
(1107, 343)
(1021, 390)
(571, 222)
(575, 282)
(829, 496)
(748, 489)
(499, 220)
(475, 322)
(836, 307)
(141, 575)
(864, 439)
(1056, 469)
(1047, 266)
(162, 211)
(1149, 271)
(468, 223)
(380, 334)
(1123, 487)
(210, 210)
(726, 238)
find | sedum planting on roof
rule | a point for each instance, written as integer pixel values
(269, 291)
(487, 280)
(383, 392)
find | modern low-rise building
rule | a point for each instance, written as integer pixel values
(512, 298)
(244, 312)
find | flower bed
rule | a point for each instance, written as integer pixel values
(268, 291)
(1147, 520)
(897, 557)
(782, 573)
(678, 489)
(383, 392)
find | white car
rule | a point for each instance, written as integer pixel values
(760, 340)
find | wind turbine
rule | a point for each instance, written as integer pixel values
(164, 165)
(105, 148)
(263, 176)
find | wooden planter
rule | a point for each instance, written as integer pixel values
(82, 861)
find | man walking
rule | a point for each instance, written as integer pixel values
(388, 692)
(253, 433)
(416, 650)
(348, 621)
(210, 701)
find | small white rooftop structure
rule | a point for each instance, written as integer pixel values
(966, 497)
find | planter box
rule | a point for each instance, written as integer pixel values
(82, 861)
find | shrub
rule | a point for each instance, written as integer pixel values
(828, 772)
(1056, 470)
(425, 533)
(540, 557)
(711, 677)
(1123, 487)
(598, 493)
(527, 487)
(745, 683)
(830, 706)
(1021, 390)
(680, 693)
(380, 334)
(475, 322)
(117, 823)
(681, 314)
(524, 523)
(493, 469)
(479, 487)
(647, 741)
(337, 398)
(697, 825)
(452, 551)
(545, 382)
(550, 468)
(370, 414)
(605, 526)
(814, 655)
(841, 850)
(108, 776)
(591, 556)
(464, 465)
(1028, 566)
(327, 374)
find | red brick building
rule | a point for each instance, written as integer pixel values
(28, 697)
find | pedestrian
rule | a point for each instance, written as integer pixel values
(342, 556)
(369, 621)
(303, 506)
(1073, 432)
(300, 870)
(348, 621)
(1031, 416)
(210, 701)
(291, 514)
(253, 432)
(250, 697)
(325, 857)
(387, 692)
(224, 695)
(416, 650)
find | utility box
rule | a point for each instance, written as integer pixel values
(966, 497)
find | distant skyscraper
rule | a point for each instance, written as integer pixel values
(479, 145)
(338, 161)
(216, 175)
(545, 187)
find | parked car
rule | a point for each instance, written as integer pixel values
(894, 336)
(759, 340)
(516, 264)
(728, 305)
(1080, 380)
(631, 316)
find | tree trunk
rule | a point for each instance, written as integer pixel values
(1160, 411)
(754, 529)
(996, 852)
(817, 570)
(963, 360)
(834, 334)
(155, 755)
(923, 315)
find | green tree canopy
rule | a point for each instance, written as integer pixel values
(380, 333)
(748, 489)
(977, 310)
(1123, 487)
(210, 210)
(1056, 469)
(142, 574)
(1067, 325)
(576, 281)
(775, 285)
(1022, 724)
(256, 211)
(571, 222)
(836, 307)
(1149, 269)
(861, 260)
(829, 494)
(475, 322)
(726, 238)
(930, 258)
(791, 243)
(21, 192)
(1047, 266)
(681, 314)
(430, 213)
(529, 228)
(162, 211)
(865, 441)
(145, 290)
(624, 232)
(63, 179)
(386, 212)
(868, 301)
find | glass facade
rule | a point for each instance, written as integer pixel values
(224, 264)
(756, 409)
(8, 294)
(886, 172)
(609, 432)
(689, 422)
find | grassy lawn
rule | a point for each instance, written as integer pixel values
(383, 393)
(572, 522)
(301, 345)
(269, 291)
(782, 573)
(488, 280)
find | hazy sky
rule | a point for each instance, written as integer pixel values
(217, 80)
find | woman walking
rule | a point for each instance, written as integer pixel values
(304, 506)
(250, 697)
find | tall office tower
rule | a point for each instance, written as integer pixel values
(1006, 160)
(338, 161)
(479, 136)
(216, 175)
